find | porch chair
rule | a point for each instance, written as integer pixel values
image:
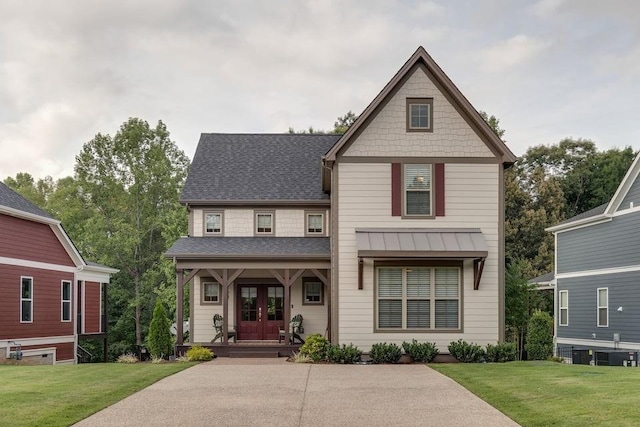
(218, 322)
(295, 328)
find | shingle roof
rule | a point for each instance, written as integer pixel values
(547, 277)
(588, 214)
(254, 247)
(228, 167)
(13, 200)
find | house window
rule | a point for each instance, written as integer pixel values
(564, 308)
(210, 293)
(603, 307)
(66, 301)
(418, 298)
(213, 223)
(417, 190)
(315, 223)
(26, 299)
(264, 222)
(419, 114)
(312, 293)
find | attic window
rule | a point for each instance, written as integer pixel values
(419, 114)
(264, 223)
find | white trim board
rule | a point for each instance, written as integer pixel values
(36, 264)
(622, 345)
(598, 272)
(40, 341)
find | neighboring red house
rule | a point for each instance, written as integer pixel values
(49, 295)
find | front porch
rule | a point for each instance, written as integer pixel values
(245, 349)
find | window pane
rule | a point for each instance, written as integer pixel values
(419, 115)
(390, 282)
(418, 314)
(314, 223)
(564, 299)
(564, 316)
(313, 291)
(447, 282)
(417, 177)
(66, 311)
(418, 282)
(26, 288)
(447, 314)
(26, 311)
(418, 202)
(603, 297)
(390, 313)
(603, 317)
(213, 222)
(66, 291)
(264, 223)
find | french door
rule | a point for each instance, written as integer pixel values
(260, 311)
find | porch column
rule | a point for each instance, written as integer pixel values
(105, 322)
(225, 280)
(287, 280)
(180, 282)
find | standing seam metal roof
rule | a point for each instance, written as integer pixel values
(228, 167)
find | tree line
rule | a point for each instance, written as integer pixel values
(121, 209)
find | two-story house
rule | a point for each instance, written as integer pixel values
(390, 232)
(49, 295)
(597, 268)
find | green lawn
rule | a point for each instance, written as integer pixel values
(554, 394)
(64, 394)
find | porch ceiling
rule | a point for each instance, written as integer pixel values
(250, 248)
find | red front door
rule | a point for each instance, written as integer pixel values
(260, 312)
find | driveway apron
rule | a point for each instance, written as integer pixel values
(273, 392)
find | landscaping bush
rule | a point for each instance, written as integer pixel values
(502, 352)
(466, 352)
(159, 341)
(347, 354)
(199, 354)
(127, 358)
(385, 353)
(315, 347)
(420, 352)
(539, 344)
(300, 358)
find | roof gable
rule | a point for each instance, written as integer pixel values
(257, 167)
(421, 59)
(625, 186)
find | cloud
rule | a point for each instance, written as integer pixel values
(515, 51)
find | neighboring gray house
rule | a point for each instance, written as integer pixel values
(597, 273)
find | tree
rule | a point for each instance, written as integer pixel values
(132, 181)
(540, 336)
(159, 341)
(36, 192)
(340, 126)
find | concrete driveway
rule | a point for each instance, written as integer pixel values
(273, 392)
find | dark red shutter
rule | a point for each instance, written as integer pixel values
(438, 178)
(396, 189)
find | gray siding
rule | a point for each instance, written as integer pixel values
(611, 244)
(633, 195)
(624, 291)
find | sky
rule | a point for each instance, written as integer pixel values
(548, 69)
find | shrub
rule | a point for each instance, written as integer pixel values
(385, 353)
(502, 352)
(466, 352)
(199, 354)
(155, 360)
(300, 358)
(556, 359)
(159, 340)
(315, 347)
(420, 352)
(539, 344)
(182, 359)
(127, 358)
(347, 354)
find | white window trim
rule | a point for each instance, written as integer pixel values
(203, 287)
(306, 224)
(599, 307)
(431, 190)
(204, 223)
(26, 299)
(62, 301)
(273, 223)
(560, 308)
(432, 301)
